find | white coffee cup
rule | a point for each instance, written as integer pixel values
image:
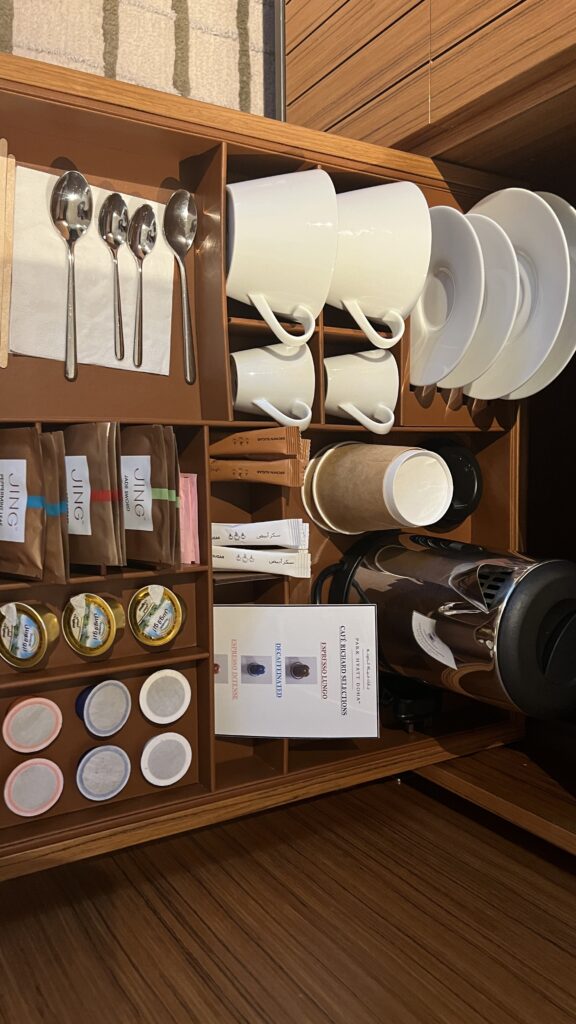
(282, 238)
(276, 380)
(384, 241)
(363, 386)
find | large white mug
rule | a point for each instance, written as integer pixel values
(384, 240)
(275, 380)
(282, 238)
(363, 386)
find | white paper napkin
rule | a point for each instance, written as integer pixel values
(39, 284)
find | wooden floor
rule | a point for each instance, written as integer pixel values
(378, 905)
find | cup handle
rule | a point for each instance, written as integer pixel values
(382, 422)
(301, 314)
(281, 417)
(391, 317)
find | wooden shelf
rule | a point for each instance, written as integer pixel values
(131, 139)
(538, 797)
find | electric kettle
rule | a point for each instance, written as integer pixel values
(500, 628)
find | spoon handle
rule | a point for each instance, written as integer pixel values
(138, 323)
(189, 359)
(118, 326)
(71, 360)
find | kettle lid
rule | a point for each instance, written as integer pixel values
(536, 641)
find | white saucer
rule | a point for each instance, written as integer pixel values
(565, 345)
(446, 315)
(501, 295)
(542, 254)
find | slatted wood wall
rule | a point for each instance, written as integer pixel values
(395, 72)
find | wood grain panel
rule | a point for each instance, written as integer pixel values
(389, 118)
(381, 905)
(388, 58)
(65, 94)
(527, 39)
(72, 843)
(350, 29)
(514, 786)
(452, 20)
(304, 16)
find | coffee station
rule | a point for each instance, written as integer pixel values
(323, 334)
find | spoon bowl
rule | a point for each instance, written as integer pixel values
(113, 227)
(141, 239)
(180, 225)
(71, 212)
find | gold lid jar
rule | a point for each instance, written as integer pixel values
(91, 623)
(27, 632)
(155, 615)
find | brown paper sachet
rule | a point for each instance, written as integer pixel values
(55, 564)
(22, 511)
(146, 496)
(174, 492)
(58, 441)
(284, 472)
(269, 441)
(91, 530)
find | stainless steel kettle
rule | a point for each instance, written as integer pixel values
(497, 627)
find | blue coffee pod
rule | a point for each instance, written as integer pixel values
(103, 772)
(104, 708)
(254, 668)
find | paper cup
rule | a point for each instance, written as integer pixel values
(363, 487)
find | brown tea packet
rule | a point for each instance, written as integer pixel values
(58, 440)
(144, 474)
(90, 514)
(55, 565)
(22, 512)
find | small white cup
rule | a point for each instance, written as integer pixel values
(282, 238)
(276, 380)
(363, 386)
(384, 241)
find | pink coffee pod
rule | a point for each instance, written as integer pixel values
(31, 724)
(33, 787)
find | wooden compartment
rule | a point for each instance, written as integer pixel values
(148, 143)
(75, 740)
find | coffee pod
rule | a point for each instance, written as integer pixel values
(33, 787)
(166, 759)
(363, 487)
(165, 696)
(104, 708)
(27, 632)
(31, 724)
(91, 624)
(103, 772)
(155, 615)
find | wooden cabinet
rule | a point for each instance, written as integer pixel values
(140, 141)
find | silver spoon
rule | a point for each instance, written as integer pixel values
(180, 224)
(113, 227)
(141, 239)
(71, 210)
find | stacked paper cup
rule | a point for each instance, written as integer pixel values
(354, 487)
